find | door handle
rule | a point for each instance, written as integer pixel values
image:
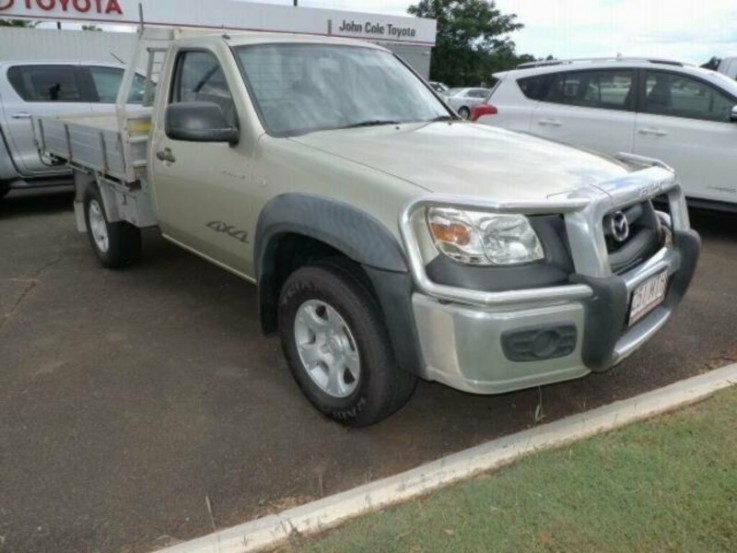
(550, 122)
(655, 132)
(21, 115)
(165, 155)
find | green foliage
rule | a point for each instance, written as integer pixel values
(472, 40)
(17, 23)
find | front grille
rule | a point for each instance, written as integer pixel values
(632, 235)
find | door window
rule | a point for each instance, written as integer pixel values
(681, 96)
(46, 83)
(535, 88)
(477, 93)
(107, 82)
(199, 78)
(607, 89)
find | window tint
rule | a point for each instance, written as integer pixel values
(107, 82)
(611, 89)
(45, 83)
(200, 78)
(535, 88)
(680, 96)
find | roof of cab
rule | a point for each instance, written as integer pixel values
(255, 37)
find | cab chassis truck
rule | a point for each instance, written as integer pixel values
(386, 245)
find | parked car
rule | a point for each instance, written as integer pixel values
(728, 66)
(46, 88)
(463, 99)
(388, 239)
(683, 115)
(438, 87)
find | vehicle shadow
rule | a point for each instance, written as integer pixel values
(714, 224)
(36, 202)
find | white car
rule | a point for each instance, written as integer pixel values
(463, 99)
(681, 114)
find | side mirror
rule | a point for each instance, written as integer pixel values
(733, 114)
(199, 122)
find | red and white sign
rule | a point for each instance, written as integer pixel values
(79, 7)
(231, 15)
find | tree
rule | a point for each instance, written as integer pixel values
(17, 23)
(472, 40)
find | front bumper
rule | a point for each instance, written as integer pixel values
(463, 334)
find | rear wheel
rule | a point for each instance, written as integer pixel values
(115, 245)
(464, 112)
(336, 345)
(4, 189)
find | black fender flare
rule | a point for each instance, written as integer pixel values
(352, 232)
(342, 226)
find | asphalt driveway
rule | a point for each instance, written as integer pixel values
(130, 400)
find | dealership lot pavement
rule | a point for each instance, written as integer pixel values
(131, 400)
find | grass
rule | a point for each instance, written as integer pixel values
(669, 484)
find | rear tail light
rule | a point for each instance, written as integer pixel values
(482, 109)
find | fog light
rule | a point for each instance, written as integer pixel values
(540, 342)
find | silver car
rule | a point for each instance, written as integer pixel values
(46, 88)
(463, 99)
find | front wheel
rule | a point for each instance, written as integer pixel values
(4, 189)
(334, 339)
(115, 244)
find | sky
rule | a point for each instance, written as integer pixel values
(686, 30)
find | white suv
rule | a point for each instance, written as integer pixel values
(681, 114)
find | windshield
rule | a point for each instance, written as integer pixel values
(301, 88)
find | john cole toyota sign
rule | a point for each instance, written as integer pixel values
(244, 16)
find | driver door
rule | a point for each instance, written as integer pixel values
(204, 190)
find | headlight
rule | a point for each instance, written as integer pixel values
(478, 238)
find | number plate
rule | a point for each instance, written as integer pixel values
(647, 296)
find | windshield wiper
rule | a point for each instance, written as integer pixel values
(371, 123)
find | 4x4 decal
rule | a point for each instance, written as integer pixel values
(230, 230)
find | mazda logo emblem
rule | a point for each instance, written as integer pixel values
(620, 226)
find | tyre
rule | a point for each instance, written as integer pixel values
(116, 245)
(336, 345)
(4, 189)
(464, 112)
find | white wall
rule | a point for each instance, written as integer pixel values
(418, 57)
(52, 44)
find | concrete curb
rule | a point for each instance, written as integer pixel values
(319, 515)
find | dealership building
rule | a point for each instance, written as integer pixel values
(409, 37)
